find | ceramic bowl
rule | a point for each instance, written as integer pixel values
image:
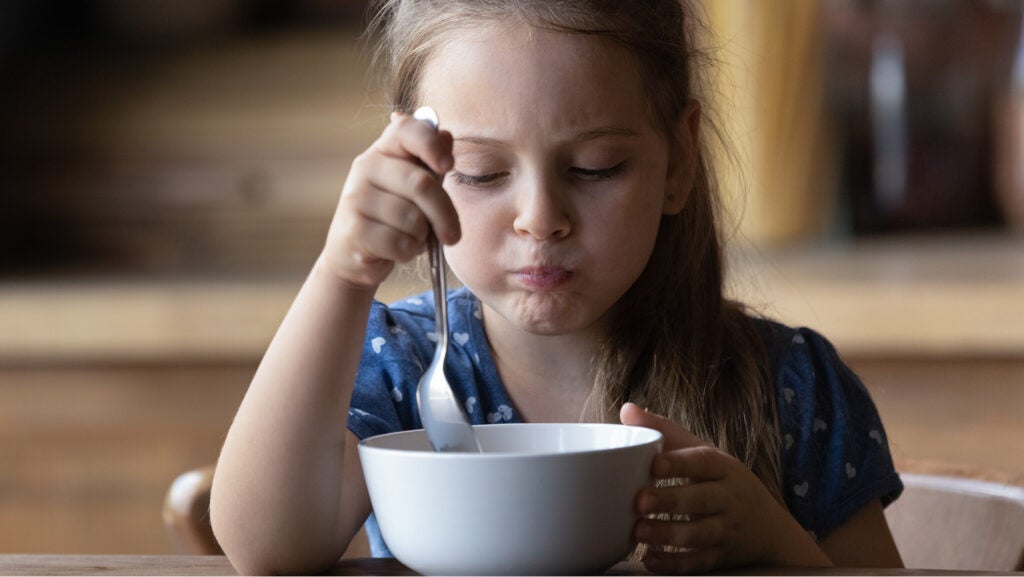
(540, 499)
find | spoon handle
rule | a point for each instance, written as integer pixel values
(439, 284)
(438, 272)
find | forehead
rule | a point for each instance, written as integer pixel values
(516, 75)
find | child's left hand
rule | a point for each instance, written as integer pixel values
(722, 515)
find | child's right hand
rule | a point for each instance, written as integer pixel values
(391, 200)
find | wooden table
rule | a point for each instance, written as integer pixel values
(218, 565)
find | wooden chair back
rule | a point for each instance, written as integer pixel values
(186, 515)
(958, 518)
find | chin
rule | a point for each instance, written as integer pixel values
(549, 314)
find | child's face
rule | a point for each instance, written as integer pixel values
(560, 178)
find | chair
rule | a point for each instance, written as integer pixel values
(186, 515)
(958, 518)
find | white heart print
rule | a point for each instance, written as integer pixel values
(801, 489)
(876, 435)
(504, 413)
(397, 395)
(377, 343)
(789, 394)
(820, 425)
(851, 471)
(460, 338)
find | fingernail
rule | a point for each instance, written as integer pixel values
(446, 164)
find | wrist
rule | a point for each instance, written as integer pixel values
(325, 270)
(791, 545)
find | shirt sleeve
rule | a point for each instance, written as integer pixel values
(384, 394)
(835, 453)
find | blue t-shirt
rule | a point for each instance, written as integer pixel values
(835, 454)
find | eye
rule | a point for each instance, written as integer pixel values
(598, 173)
(478, 181)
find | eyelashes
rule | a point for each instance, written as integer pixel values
(482, 181)
(598, 174)
(495, 179)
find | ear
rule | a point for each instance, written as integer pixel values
(682, 168)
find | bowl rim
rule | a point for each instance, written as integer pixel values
(369, 443)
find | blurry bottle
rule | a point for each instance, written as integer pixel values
(912, 94)
(1009, 148)
(887, 87)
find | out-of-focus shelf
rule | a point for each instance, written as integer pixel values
(200, 320)
(943, 297)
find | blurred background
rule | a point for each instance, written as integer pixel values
(169, 170)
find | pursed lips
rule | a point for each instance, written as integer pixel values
(542, 277)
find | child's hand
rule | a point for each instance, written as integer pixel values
(722, 515)
(390, 201)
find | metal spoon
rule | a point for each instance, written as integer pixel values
(447, 425)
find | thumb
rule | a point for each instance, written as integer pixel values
(676, 435)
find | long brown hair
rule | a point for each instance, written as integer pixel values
(677, 346)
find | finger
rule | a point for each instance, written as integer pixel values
(396, 211)
(372, 241)
(676, 436)
(407, 138)
(700, 534)
(684, 562)
(695, 500)
(416, 184)
(695, 463)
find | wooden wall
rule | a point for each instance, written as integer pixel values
(88, 452)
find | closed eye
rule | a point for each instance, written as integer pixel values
(478, 181)
(598, 173)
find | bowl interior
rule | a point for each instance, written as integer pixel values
(529, 438)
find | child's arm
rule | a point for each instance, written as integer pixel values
(288, 493)
(733, 519)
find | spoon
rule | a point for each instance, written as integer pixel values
(447, 425)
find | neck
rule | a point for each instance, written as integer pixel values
(548, 376)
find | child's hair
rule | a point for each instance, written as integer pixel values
(677, 346)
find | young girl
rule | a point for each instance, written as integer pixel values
(578, 206)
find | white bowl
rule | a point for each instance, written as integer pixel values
(540, 499)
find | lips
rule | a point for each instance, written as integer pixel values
(543, 278)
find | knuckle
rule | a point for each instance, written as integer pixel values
(706, 457)
(421, 183)
(708, 500)
(416, 224)
(400, 120)
(362, 161)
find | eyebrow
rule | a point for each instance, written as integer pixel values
(605, 131)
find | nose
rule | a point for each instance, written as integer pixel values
(543, 210)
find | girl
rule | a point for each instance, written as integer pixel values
(578, 207)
